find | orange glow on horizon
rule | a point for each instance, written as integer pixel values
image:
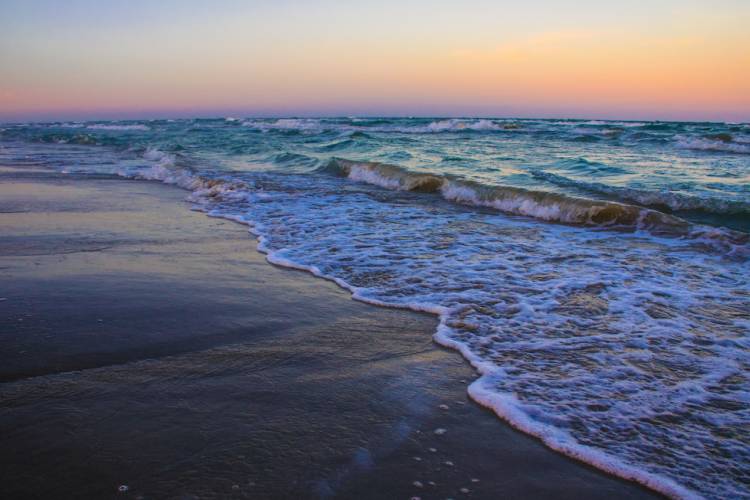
(697, 67)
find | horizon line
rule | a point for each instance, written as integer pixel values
(240, 116)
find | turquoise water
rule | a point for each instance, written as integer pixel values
(594, 272)
(699, 171)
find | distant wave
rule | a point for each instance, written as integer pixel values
(99, 126)
(678, 135)
(551, 207)
(336, 146)
(594, 168)
(81, 139)
(655, 199)
(723, 143)
(286, 124)
(297, 159)
(592, 130)
(456, 125)
(683, 136)
(433, 127)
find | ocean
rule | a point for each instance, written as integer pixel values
(595, 273)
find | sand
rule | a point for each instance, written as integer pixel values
(149, 348)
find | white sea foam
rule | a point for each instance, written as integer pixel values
(597, 122)
(301, 124)
(162, 168)
(506, 407)
(108, 126)
(512, 204)
(434, 127)
(455, 125)
(373, 177)
(705, 144)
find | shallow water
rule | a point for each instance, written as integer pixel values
(594, 272)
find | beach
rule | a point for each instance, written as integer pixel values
(149, 351)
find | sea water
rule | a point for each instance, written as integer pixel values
(594, 272)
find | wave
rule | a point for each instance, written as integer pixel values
(609, 123)
(313, 124)
(458, 125)
(518, 201)
(80, 139)
(584, 166)
(546, 206)
(655, 199)
(722, 143)
(293, 159)
(598, 132)
(160, 157)
(99, 126)
(383, 126)
(592, 131)
(660, 126)
(336, 146)
(578, 130)
(719, 138)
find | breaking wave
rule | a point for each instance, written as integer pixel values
(433, 127)
(722, 143)
(98, 126)
(550, 207)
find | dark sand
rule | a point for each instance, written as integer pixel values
(147, 345)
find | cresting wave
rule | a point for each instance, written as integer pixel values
(722, 143)
(573, 130)
(550, 207)
(102, 126)
(385, 126)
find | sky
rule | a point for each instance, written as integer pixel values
(99, 59)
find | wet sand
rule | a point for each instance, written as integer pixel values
(146, 345)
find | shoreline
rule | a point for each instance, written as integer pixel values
(364, 470)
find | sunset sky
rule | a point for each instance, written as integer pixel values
(663, 59)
